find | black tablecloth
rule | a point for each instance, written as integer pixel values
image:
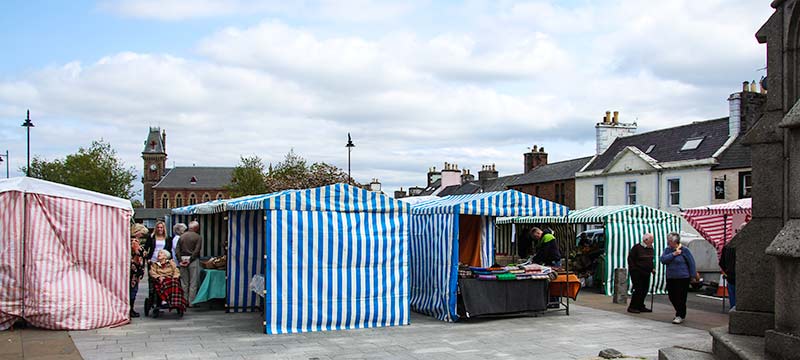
(483, 297)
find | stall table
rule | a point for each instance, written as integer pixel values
(495, 297)
(212, 286)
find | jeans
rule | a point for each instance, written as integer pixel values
(678, 290)
(134, 291)
(641, 284)
(190, 280)
(732, 293)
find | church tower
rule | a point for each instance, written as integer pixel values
(155, 161)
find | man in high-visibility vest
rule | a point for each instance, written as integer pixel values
(547, 252)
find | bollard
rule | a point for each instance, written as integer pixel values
(620, 295)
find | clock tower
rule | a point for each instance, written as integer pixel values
(155, 161)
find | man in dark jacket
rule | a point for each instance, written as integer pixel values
(547, 252)
(641, 265)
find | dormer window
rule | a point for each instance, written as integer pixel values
(193, 180)
(649, 149)
(692, 144)
(152, 145)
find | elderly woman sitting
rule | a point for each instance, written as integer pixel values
(165, 279)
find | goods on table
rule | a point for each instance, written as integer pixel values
(510, 272)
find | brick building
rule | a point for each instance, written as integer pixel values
(550, 181)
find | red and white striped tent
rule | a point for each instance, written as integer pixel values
(64, 256)
(718, 223)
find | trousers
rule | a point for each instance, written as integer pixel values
(190, 280)
(678, 290)
(641, 284)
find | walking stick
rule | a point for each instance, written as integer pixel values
(652, 290)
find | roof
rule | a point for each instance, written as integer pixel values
(207, 178)
(209, 207)
(150, 213)
(465, 188)
(336, 197)
(431, 189)
(668, 142)
(38, 186)
(736, 156)
(501, 183)
(497, 203)
(562, 170)
(154, 143)
(596, 215)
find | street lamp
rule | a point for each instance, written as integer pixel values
(28, 124)
(349, 147)
(6, 160)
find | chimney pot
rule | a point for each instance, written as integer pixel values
(745, 86)
(607, 119)
(535, 148)
(616, 117)
(541, 150)
(753, 87)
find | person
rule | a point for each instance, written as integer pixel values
(165, 276)
(727, 263)
(547, 252)
(177, 230)
(189, 246)
(640, 265)
(680, 269)
(157, 241)
(137, 263)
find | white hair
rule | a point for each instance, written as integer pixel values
(179, 228)
(166, 253)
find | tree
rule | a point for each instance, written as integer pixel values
(294, 173)
(248, 178)
(136, 204)
(96, 168)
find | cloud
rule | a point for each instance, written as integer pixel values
(509, 77)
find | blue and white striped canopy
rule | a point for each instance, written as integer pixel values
(337, 197)
(210, 207)
(498, 203)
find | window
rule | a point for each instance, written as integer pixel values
(559, 190)
(219, 196)
(164, 201)
(178, 200)
(674, 192)
(206, 197)
(192, 199)
(649, 149)
(193, 180)
(691, 144)
(630, 193)
(536, 190)
(599, 197)
(745, 184)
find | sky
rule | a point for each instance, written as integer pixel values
(417, 83)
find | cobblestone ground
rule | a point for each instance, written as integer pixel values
(206, 334)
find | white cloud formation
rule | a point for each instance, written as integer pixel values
(514, 75)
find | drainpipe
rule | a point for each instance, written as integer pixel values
(658, 189)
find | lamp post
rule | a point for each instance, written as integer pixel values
(28, 124)
(2, 157)
(349, 147)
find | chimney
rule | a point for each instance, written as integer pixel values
(399, 194)
(375, 185)
(466, 176)
(535, 158)
(744, 109)
(487, 173)
(450, 175)
(433, 175)
(611, 129)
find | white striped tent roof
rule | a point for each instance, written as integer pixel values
(210, 207)
(592, 215)
(498, 203)
(336, 197)
(718, 223)
(741, 206)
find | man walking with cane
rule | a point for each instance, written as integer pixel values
(641, 265)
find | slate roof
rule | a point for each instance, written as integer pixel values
(561, 170)
(736, 156)
(430, 189)
(154, 143)
(207, 178)
(668, 142)
(150, 213)
(474, 187)
(501, 183)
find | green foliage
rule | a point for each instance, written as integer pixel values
(248, 178)
(136, 204)
(295, 173)
(96, 168)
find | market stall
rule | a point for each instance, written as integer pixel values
(623, 227)
(718, 223)
(213, 224)
(460, 229)
(64, 256)
(335, 257)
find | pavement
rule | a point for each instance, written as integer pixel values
(594, 324)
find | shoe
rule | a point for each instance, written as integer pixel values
(634, 311)
(134, 314)
(646, 310)
(677, 320)
(164, 304)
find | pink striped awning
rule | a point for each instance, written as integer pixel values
(64, 256)
(718, 223)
